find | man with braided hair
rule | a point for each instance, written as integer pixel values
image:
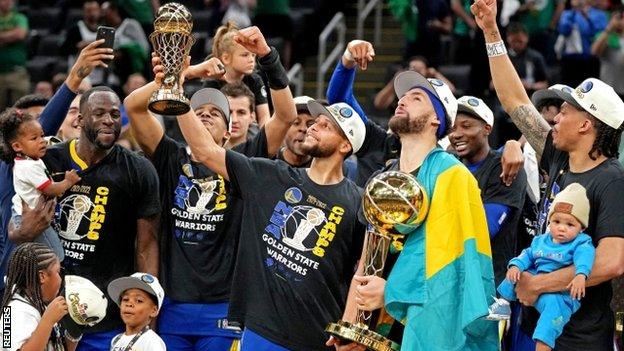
(34, 282)
(582, 147)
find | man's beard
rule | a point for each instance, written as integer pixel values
(406, 125)
(316, 151)
(92, 137)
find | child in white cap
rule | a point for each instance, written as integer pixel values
(563, 245)
(139, 297)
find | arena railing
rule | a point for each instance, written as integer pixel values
(295, 75)
(363, 12)
(338, 25)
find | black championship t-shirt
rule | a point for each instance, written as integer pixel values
(97, 218)
(493, 190)
(299, 245)
(253, 82)
(591, 327)
(200, 223)
(377, 149)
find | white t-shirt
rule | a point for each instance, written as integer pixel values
(29, 177)
(24, 320)
(149, 341)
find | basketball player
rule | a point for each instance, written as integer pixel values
(582, 147)
(300, 237)
(108, 221)
(202, 214)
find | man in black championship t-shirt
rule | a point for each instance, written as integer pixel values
(201, 213)
(582, 147)
(300, 237)
(108, 221)
(503, 204)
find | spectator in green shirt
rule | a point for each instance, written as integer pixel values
(463, 30)
(540, 17)
(14, 79)
(141, 10)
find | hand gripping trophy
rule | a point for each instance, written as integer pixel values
(172, 40)
(394, 203)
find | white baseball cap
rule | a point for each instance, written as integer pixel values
(86, 302)
(476, 107)
(409, 80)
(347, 119)
(550, 93)
(139, 280)
(598, 99)
(214, 97)
(301, 103)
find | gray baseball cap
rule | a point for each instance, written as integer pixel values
(214, 97)
(557, 91)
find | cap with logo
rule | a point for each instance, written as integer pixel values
(476, 107)
(214, 97)
(550, 93)
(86, 304)
(409, 80)
(301, 103)
(598, 99)
(139, 280)
(347, 119)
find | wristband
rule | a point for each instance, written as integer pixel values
(496, 49)
(275, 72)
(71, 338)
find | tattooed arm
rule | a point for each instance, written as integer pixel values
(507, 83)
(90, 57)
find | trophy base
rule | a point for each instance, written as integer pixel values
(169, 102)
(361, 335)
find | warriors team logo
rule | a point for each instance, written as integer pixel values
(195, 195)
(71, 212)
(293, 195)
(297, 235)
(304, 221)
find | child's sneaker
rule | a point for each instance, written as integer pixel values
(499, 310)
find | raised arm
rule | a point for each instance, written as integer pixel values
(147, 130)
(203, 146)
(506, 81)
(54, 113)
(340, 87)
(269, 62)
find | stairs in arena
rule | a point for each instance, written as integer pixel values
(388, 53)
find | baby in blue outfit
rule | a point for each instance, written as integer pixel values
(563, 245)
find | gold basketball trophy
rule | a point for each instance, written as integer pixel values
(394, 204)
(172, 40)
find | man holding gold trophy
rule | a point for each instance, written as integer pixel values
(442, 282)
(300, 236)
(202, 213)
